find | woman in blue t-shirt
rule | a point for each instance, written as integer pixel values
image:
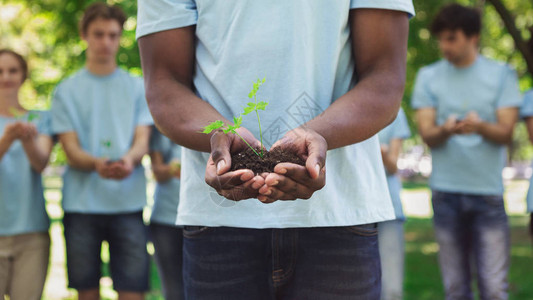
(391, 240)
(25, 146)
(166, 235)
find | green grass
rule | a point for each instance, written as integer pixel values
(422, 277)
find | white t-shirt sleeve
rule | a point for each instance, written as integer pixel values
(400, 5)
(159, 15)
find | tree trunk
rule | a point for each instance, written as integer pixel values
(525, 47)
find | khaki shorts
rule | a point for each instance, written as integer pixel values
(23, 265)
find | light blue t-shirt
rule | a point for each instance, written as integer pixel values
(527, 111)
(467, 163)
(104, 112)
(399, 129)
(304, 50)
(22, 206)
(166, 195)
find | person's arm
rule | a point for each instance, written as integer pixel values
(432, 134)
(78, 158)
(379, 42)
(37, 147)
(10, 134)
(390, 155)
(139, 147)
(500, 132)
(162, 172)
(167, 59)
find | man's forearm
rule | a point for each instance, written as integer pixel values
(79, 159)
(496, 133)
(136, 153)
(180, 114)
(82, 161)
(435, 136)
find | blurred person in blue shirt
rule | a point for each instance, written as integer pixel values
(335, 72)
(25, 147)
(102, 119)
(467, 107)
(166, 235)
(391, 233)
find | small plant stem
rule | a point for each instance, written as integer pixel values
(260, 132)
(260, 155)
(259, 121)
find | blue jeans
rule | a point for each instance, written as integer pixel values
(472, 227)
(290, 263)
(127, 237)
(168, 244)
(392, 252)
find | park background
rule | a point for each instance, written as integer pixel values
(46, 33)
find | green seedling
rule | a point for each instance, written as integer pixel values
(237, 121)
(107, 144)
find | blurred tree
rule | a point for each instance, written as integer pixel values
(46, 32)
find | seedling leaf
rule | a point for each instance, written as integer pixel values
(261, 105)
(213, 126)
(32, 116)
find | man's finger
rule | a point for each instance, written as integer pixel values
(316, 159)
(220, 146)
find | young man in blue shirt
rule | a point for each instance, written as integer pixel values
(103, 123)
(199, 59)
(467, 106)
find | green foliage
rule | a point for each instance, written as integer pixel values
(46, 33)
(237, 121)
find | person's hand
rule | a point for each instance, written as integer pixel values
(28, 132)
(14, 131)
(102, 167)
(175, 168)
(470, 124)
(451, 125)
(291, 181)
(121, 168)
(233, 185)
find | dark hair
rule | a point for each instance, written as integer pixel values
(22, 61)
(454, 17)
(104, 11)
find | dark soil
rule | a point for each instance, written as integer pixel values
(249, 160)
